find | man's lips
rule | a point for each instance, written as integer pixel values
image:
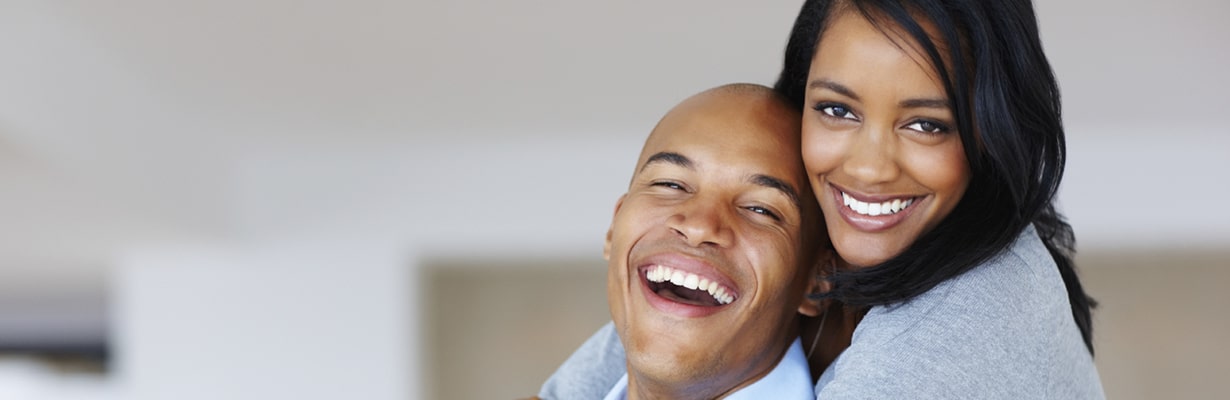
(664, 278)
(685, 287)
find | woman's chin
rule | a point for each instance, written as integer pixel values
(865, 253)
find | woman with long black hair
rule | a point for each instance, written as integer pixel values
(933, 139)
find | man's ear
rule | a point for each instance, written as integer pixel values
(606, 247)
(818, 283)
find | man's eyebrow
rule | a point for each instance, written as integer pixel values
(780, 185)
(668, 157)
(834, 86)
(924, 103)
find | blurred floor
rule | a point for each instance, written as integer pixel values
(497, 331)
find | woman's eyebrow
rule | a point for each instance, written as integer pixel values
(924, 103)
(834, 86)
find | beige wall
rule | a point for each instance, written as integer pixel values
(1163, 322)
(511, 325)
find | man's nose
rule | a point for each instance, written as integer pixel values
(703, 221)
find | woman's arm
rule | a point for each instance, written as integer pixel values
(591, 371)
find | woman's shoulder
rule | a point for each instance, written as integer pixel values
(999, 328)
(1017, 291)
(1021, 283)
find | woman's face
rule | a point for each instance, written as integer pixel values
(879, 141)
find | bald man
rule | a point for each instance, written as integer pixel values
(711, 253)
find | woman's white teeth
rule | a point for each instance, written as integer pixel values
(662, 273)
(875, 209)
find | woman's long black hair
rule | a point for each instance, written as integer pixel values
(1006, 103)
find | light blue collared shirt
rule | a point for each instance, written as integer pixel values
(790, 379)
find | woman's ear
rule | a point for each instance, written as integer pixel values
(818, 283)
(606, 247)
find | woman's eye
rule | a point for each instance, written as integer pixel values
(837, 111)
(927, 127)
(765, 212)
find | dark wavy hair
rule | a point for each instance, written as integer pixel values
(1006, 103)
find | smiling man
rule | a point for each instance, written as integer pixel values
(712, 251)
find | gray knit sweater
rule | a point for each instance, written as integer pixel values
(1003, 330)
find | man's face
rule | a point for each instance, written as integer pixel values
(706, 269)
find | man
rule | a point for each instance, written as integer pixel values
(711, 254)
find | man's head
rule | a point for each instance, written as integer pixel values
(713, 247)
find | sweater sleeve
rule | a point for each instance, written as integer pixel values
(591, 371)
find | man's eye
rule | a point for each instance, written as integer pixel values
(765, 212)
(669, 185)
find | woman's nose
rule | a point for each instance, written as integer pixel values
(871, 156)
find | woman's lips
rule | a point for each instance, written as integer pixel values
(872, 213)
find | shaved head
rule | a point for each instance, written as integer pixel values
(744, 107)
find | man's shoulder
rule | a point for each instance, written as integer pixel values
(590, 371)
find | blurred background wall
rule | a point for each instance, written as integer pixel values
(388, 200)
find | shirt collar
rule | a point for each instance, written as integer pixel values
(790, 379)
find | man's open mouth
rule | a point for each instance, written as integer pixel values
(686, 287)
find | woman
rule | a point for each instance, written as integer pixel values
(932, 136)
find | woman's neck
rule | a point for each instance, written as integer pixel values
(834, 335)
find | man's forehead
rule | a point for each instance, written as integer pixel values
(743, 124)
(727, 141)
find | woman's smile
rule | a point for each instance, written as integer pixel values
(872, 213)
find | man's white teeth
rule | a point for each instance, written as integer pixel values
(875, 209)
(662, 273)
(691, 281)
(677, 278)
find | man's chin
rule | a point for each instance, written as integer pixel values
(675, 366)
(679, 351)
